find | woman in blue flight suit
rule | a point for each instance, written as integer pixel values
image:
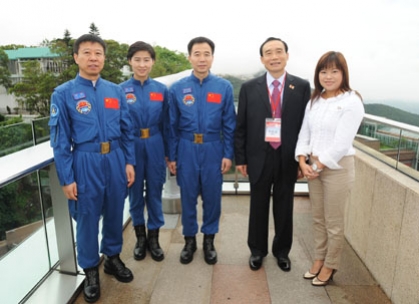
(148, 106)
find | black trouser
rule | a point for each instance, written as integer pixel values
(282, 189)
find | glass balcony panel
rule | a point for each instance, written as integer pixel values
(41, 130)
(398, 147)
(24, 255)
(15, 138)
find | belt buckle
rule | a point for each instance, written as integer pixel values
(198, 138)
(145, 133)
(105, 147)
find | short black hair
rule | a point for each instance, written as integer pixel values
(270, 39)
(198, 40)
(88, 38)
(141, 46)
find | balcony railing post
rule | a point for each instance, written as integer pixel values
(63, 226)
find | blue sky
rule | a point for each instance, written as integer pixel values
(379, 38)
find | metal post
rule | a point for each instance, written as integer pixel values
(63, 226)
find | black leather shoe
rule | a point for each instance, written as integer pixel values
(255, 262)
(154, 246)
(186, 256)
(91, 290)
(284, 263)
(114, 266)
(141, 245)
(210, 254)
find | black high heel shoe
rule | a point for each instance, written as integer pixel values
(317, 282)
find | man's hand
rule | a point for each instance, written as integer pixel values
(225, 165)
(172, 167)
(129, 169)
(242, 169)
(70, 191)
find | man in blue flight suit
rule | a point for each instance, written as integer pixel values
(202, 123)
(91, 135)
(148, 106)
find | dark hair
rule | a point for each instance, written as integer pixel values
(88, 38)
(271, 39)
(141, 46)
(336, 60)
(198, 40)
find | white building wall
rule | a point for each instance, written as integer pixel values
(7, 100)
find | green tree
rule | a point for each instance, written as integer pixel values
(236, 82)
(94, 29)
(169, 62)
(15, 135)
(67, 37)
(19, 204)
(45, 43)
(4, 70)
(12, 46)
(35, 90)
(115, 60)
(64, 47)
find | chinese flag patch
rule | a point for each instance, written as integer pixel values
(214, 97)
(111, 103)
(156, 96)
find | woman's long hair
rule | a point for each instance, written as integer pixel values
(336, 60)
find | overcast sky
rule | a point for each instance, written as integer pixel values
(379, 38)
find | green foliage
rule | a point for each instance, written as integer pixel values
(168, 62)
(392, 113)
(10, 121)
(19, 204)
(67, 37)
(2, 118)
(93, 29)
(11, 46)
(115, 60)
(64, 47)
(236, 82)
(35, 90)
(5, 79)
(15, 137)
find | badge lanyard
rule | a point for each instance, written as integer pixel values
(276, 103)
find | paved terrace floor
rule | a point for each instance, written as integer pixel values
(231, 281)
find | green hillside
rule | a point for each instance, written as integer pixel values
(392, 113)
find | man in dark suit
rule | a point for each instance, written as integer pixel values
(266, 135)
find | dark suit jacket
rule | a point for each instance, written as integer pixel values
(254, 107)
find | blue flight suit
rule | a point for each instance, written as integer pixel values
(83, 116)
(202, 123)
(148, 107)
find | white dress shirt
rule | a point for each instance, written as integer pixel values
(329, 128)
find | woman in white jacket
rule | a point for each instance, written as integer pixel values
(326, 157)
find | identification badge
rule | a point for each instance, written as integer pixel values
(273, 130)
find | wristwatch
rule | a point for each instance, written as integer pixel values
(316, 168)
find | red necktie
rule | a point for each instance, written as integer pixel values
(276, 100)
